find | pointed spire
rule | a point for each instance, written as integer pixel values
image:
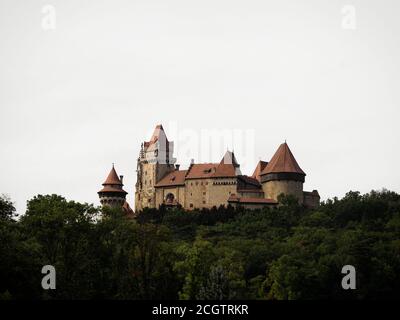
(283, 161)
(158, 133)
(112, 178)
(229, 158)
(113, 184)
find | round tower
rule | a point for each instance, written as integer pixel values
(283, 175)
(112, 193)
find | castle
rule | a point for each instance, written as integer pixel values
(205, 185)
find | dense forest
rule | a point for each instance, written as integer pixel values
(288, 252)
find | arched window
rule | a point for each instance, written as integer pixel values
(169, 198)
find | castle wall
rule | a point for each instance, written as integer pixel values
(250, 194)
(177, 191)
(272, 189)
(221, 190)
(206, 193)
(311, 199)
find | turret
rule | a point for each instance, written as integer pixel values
(112, 194)
(283, 175)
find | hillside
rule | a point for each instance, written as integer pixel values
(284, 253)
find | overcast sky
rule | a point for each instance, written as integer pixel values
(80, 94)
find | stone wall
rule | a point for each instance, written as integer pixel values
(311, 199)
(177, 191)
(272, 189)
(206, 193)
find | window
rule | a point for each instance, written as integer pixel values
(191, 205)
(205, 193)
(169, 198)
(204, 201)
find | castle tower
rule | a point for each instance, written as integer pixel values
(112, 193)
(283, 175)
(154, 163)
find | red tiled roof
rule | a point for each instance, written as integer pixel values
(210, 170)
(249, 180)
(174, 178)
(112, 178)
(201, 170)
(234, 198)
(224, 171)
(259, 168)
(127, 209)
(283, 161)
(113, 183)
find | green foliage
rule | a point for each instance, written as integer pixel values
(7, 209)
(288, 252)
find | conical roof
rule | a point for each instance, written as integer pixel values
(260, 167)
(112, 178)
(229, 158)
(113, 184)
(283, 161)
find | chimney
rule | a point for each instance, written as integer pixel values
(192, 161)
(121, 178)
(177, 166)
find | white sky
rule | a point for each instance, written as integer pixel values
(75, 99)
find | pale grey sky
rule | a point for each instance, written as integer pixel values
(86, 94)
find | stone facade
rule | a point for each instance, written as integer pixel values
(207, 185)
(274, 188)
